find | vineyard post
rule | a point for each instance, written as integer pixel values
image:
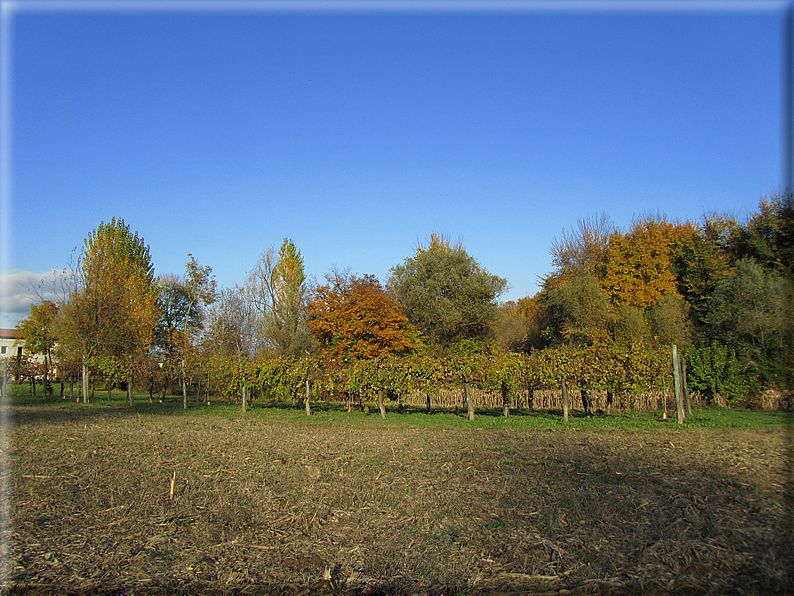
(381, 405)
(564, 401)
(679, 393)
(686, 387)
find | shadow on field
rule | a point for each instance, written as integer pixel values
(227, 505)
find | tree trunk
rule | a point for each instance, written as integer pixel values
(33, 383)
(469, 403)
(245, 392)
(585, 401)
(530, 398)
(129, 384)
(110, 388)
(679, 386)
(505, 400)
(85, 383)
(307, 400)
(429, 409)
(564, 402)
(46, 383)
(381, 405)
(609, 402)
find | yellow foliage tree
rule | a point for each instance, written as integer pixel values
(639, 267)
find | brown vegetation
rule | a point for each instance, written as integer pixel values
(308, 506)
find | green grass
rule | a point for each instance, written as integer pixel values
(336, 414)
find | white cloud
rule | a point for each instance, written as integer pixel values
(19, 289)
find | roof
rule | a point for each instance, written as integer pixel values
(9, 334)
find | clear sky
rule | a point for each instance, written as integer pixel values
(357, 133)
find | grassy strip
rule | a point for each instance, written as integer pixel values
(335, 414)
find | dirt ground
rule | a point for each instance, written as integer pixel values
(260, 507)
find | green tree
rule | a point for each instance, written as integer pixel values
(581, 310)
(748, 312)
(769, 235)
(38, 334)
(446, 293)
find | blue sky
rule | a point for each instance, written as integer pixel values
(357, 133)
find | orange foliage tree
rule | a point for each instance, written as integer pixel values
(354, 318)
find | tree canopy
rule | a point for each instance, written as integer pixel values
(445, 293)
(354, 318)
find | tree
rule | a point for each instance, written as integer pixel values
(581, 310)
(583, 250)
(38, 333)
(112, 312)
(445, 293)
(200, 287)
(747, 312)
(699, 262)
(639, 271)
(276, 287)
(769, 235)
(670, 322)
(231, 327)
(354, 318)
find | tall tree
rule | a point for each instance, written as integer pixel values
(276, 287)
(200, 288)
(446, 293)
(175, 303)
(112, 312)
(39, 335)
(354, 318)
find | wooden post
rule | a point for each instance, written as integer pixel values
(686, 387)
(679, 393)
(306, 401)
(564, 402)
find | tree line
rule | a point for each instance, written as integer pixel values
(605, 319)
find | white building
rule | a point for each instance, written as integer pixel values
(10, 344)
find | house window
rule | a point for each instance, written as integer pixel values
(3, 349)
